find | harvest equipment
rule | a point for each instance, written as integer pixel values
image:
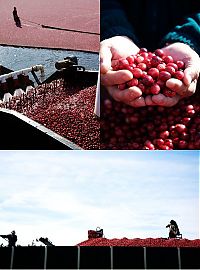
(44, 116)
(95, 234)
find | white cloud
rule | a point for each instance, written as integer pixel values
(61, 195)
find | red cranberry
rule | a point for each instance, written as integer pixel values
(168, 59)
(155, 89)
(179, 75)
(180, 64)
(147, 80)
(153, 72)
(164, 76)
(137, 72)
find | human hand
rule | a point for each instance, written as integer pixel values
(113, 49)
(187, 87)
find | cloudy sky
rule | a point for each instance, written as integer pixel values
(62, 194)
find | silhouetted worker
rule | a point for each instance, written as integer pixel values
(12, 239)
(173, 229)
(16, 17)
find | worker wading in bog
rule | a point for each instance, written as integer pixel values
(16, 17)
(12, 239)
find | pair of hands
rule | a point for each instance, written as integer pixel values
(120, 47)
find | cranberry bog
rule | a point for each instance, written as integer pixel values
(58, 114)
(151, 127)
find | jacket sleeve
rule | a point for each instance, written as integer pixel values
(188, 32)
(114, 21)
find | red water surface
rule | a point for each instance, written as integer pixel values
(81, 15)
(137, 242)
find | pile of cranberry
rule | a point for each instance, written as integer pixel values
(151, 71)
(137, 242)
(152, 127)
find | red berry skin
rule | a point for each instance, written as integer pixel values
(191, 113)
(189, 107)
(144, 54)
(139, 59)
(133, 82)
(170, 69)
(180, 128)
(182, 144)
(123, 63)
(159, 53)
(172, 65)
(161, 83)
(186, 120)
(168, 59)
(180, 64)
(147, 80)
(130, 68)
(153, 72)
(142, 66)
(156, 60)
(122, 86)
(179, 75)
(141, 86)
(161, 66)
(164, 134)
(168, 92)
(164, 76)
(143, 50)
(130, 59)
(137, 73)
(155, 89)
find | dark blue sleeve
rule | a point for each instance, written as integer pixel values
(188, 32)
(114, 20)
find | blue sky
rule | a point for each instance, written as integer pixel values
(133, 194)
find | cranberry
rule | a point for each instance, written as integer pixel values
(156, 60)
(142, 66)
(170, 69)
(179, 75)
(168, 59)
(155, 89)
(161, 67)
(164, 76)
(180, 64)
(168, 92)
(137, 72)
(133, 82)
(153, 72)
(180, 128)
(122, 86)
(159, 53)
(147, 80)
(130, 59)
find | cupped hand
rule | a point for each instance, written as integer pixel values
(181, 51)
(113, 49)
(186, 87)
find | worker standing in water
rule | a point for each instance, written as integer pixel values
(16, 17)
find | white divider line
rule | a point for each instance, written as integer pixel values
(78, 258)
(45, 257)
(145, 258)
(111, 258)
(12, 257)
(179, 258)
